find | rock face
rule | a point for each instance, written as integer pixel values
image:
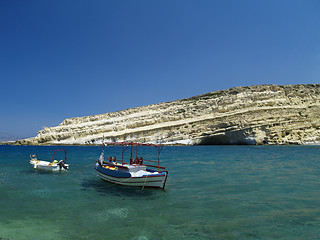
(263, 114)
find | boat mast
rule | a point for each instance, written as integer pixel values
(122, 153)
(131, 159)
(158, 158)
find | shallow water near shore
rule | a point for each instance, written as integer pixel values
(213, 192)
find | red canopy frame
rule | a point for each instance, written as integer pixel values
(62, 150)
(125, 146)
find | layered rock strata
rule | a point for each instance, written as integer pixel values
(263, 114)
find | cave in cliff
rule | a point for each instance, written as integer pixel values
(229, 138)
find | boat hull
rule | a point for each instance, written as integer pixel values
(47, 166)
(126, 179)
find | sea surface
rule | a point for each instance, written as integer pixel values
(213, 192)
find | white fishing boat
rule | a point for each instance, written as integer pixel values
(134, 173)
(52, 165)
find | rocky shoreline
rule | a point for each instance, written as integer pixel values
(259, 115)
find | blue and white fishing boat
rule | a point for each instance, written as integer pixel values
(137, 172)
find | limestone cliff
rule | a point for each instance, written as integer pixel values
(263, 114)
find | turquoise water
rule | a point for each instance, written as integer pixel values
(214, 192)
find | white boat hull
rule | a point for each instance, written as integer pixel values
(147, 181)
(48, 166)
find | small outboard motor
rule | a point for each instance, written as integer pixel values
(62, 165)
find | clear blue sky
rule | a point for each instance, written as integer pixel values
(62, 59)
